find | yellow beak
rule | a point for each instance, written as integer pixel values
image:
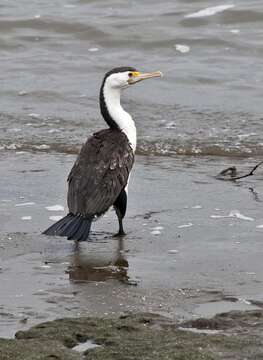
(137, 76)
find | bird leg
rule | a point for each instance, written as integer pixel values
(121, 231)
(120, 208)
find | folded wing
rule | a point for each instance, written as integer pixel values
(100, 172)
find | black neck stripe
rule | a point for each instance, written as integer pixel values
(103, 107)
(105, 112)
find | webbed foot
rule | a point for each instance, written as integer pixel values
(120, 234)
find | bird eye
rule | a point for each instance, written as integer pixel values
(130, 74)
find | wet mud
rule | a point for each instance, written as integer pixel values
(237, 335)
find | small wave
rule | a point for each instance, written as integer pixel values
(49, 24)
(168, 137)
(194, 149)
(210, 11)
(243, 16)
(20, 148)
(145, 148)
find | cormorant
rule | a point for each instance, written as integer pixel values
(100, 175)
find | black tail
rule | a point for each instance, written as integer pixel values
(75, 227)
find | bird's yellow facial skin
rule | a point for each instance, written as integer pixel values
(136, 76)
(134, 73)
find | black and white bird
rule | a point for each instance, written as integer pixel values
(100, 175)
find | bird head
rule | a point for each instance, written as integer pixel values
(123, 77)
(113, 83)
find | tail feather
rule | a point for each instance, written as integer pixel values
(72, 227)
(75, 227)
(55, 228)
(85, 232)
(67, 228)
(61, 228)
(82, 232)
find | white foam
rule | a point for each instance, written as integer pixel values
(245, 301)
(173, 251)
(233, 214)
(51, 131)
(197, 207)
(26, 218)
(34, 115)
(158, 228)
(156, 232)
(185, 225)
(11, 147)
(22, 93)
(94, 49)
(235, 31)
(55, 217)
(55, 208)
(45, 266)
(210, 11)
(42, 147)
(260, 226)
(243, 136)
(237, 214)
(182, 48)
(218, 216)
(25, 204)
(171, 125)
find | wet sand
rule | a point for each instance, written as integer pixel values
(193, 246)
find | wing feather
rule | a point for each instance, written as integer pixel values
(100, 172)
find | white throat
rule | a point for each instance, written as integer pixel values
(118, 114)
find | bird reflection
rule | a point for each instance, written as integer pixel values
(89, 264)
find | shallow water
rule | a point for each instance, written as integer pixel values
(54, 55)
(176, 255)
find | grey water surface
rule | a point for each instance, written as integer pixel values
(54, 53)
(192, 238)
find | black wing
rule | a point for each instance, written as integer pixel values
(100, 172)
